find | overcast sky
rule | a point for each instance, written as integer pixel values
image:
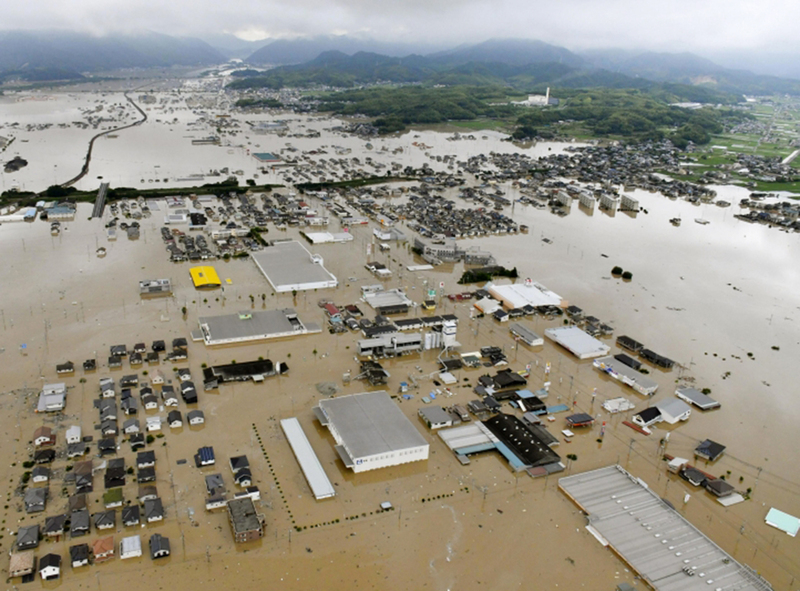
(668, 25)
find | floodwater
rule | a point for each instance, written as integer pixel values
(703, 295)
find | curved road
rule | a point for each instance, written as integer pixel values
(85, 168)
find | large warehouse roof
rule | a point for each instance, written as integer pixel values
(665, 549)
(289, 266)
(371, 424)
(519, 295)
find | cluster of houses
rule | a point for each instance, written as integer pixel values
(137, 356)
(78, 519)
(246, 523)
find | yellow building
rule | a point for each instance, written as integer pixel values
(205, 277)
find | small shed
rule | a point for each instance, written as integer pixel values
(580, 419)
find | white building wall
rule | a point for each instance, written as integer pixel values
(395, 458)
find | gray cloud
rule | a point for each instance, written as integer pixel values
(675, 25)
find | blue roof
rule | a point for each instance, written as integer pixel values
(525, 394)
(558, 408)
(206, 453)
(473, 449)
(512, 458)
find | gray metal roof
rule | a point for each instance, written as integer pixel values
(289, 265)
(693, 396)
(314, 472)
(252, 325)
(370, 424)
(524, 332)
(664, 548)
(577, 342)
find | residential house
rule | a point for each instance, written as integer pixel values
(174, 419)
(109, 428)
(146, 475)
(243, 477)
(35, 500)
(79, 523)
(205, 456)
(40, 474)
(113, 498)
(145, 459)
(129, 381)
(44, 456)
(65, 368)
(214, 484)
(136, 359)
(43, 436)
(73, 434)
(21, 564)
(105, 519)
(130, 406)
(159, 546)
(168, 395)
(77, 502)
(238, 463)
(28, 537)
(247, 524)
(150, 402)
(76, 450)
(79, 555)
(147, 493)
(157, 377)
(184, 374)
(107, 446)
(648, 416)
(131, 426)
(130, 547)
(719, 487)
(114, 361)
(673, 410)
(709, 450)
(130, 515)
(154, 423)
(196, 417)
(50, 567)
(119, 350)
(55, 526)
(137, 441)
(103, 549)
(153, 510)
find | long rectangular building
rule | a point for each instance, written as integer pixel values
(577, 342)
(371, 431)
(314, 472)
(667, 551)
(627, 375)
(252, 325)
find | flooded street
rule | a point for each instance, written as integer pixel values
(722, 300)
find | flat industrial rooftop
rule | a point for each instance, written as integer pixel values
(289, 266)
(253, 325)
(519, 295)
(664, 548)
(577, 342)
(371, 424)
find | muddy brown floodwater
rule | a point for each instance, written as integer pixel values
(705, 296)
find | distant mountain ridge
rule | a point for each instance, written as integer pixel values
(77, 52)
(519, 62)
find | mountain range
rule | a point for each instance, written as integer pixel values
(344, 61)
(34, 54)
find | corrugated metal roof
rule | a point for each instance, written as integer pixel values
(315, 474)
(651, 536)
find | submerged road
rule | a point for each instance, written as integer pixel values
(88, 160)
